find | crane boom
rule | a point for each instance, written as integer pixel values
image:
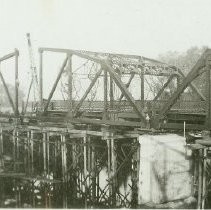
(34, 79)
(32, 63)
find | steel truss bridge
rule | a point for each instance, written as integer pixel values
(71, 131)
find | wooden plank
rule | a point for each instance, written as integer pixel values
(41, 179)
(85, 132)
(205, 142)
(127, 115)
(186, 117)
(180, 126)
(103, 122)
(196, 146)
(12, 174)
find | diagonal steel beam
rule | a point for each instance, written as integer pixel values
(55, 84)
(124, 90)
(164, 86)
(194, 88)
(8, 56)
(187, 80)
(87, 91)
(7, 92)
(127, 85)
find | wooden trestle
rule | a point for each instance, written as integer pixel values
(68, 166)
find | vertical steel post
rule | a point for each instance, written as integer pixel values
(41, 79)
(111, 92)
(105, 111)
(142, 87)
(70, 84)
(178, 80)
(16, 82)
(105, 94)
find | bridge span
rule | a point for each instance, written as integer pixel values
(65, 146)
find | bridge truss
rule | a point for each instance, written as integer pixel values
(69, 130)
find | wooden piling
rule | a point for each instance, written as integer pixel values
(85, 171)
(135, 174)
(93, 174)
(64, 169)
(109, 167)
(14, 149)
(44, 154)
(32, 151)
(200, 174)
(48, 153)
(113, 170)
(1, 149)
(204, 180)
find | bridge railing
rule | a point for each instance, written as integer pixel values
(190, 106)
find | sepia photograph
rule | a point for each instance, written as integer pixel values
(105, 104)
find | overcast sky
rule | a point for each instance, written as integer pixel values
(144, 27)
